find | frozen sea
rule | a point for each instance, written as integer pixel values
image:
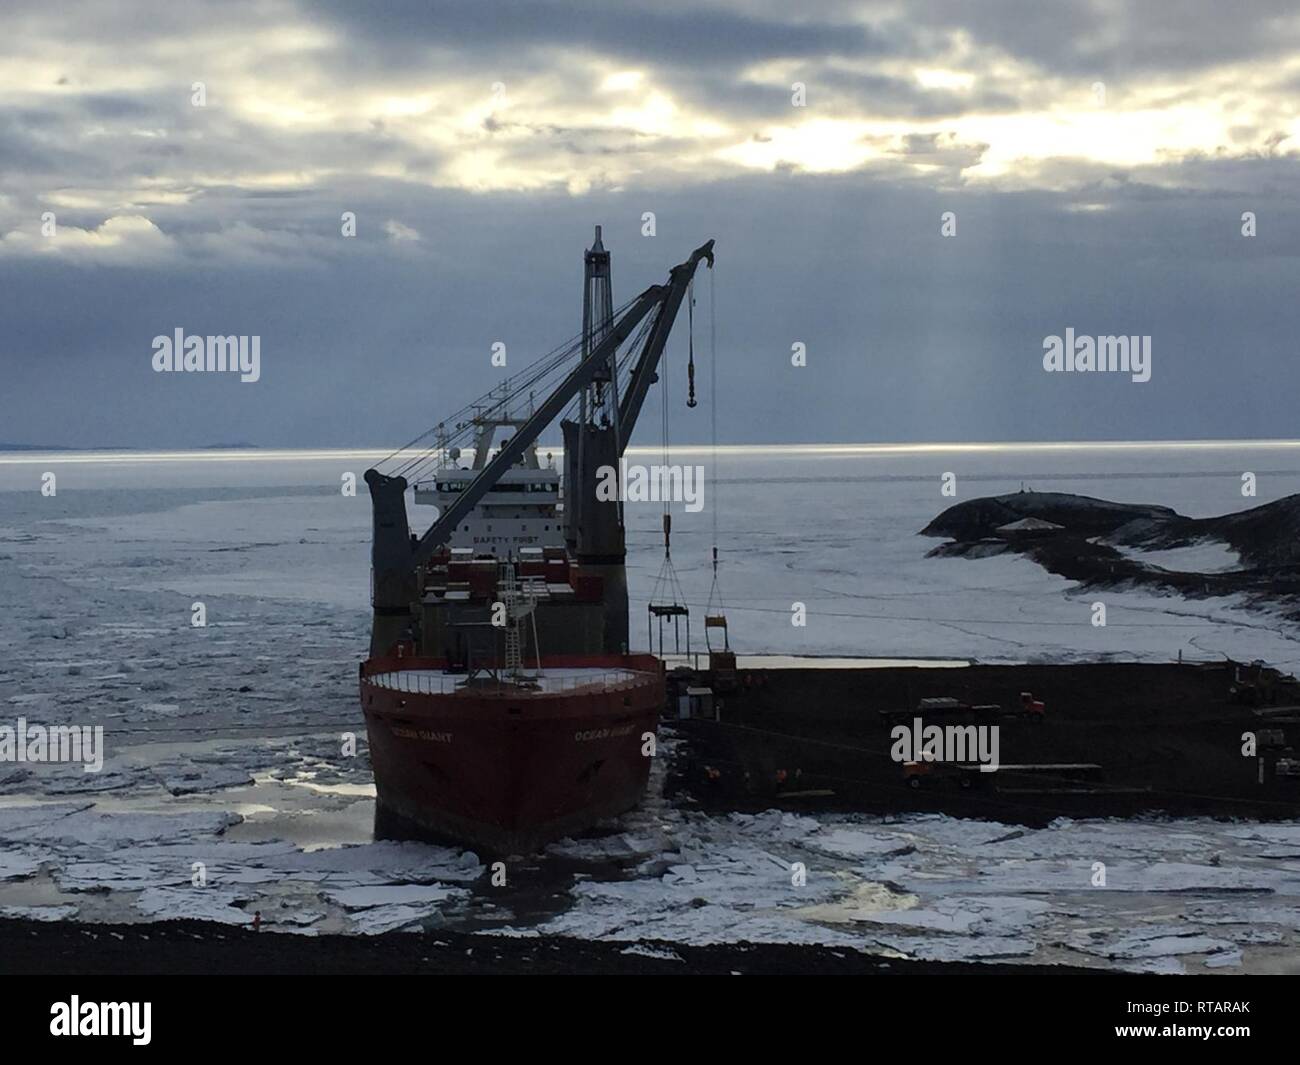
(229, 784)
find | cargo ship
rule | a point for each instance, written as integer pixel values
(502, 706)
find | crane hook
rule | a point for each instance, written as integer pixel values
(690, 334)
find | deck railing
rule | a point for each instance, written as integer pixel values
(446, 684)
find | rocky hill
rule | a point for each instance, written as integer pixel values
(1081, 515)
(1099, 543)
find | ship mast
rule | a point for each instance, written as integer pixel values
(598, 403)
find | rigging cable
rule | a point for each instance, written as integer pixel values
(667, 599)
(411, 456)
(690, 343)
(714, 619)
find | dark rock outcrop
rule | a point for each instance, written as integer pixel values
(1081, 515)
(1085, 547)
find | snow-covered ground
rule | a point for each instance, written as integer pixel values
(1209, 556)
(228, 744)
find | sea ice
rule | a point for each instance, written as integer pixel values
(196, 903)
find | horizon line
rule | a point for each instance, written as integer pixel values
(307, 454)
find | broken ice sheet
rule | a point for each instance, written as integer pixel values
(379, 919)
(620, 846)
(18, 864)
(940, 948)
(856, 842)
(196, 903)
(362, 898)
(39, 913)
(1224, 959)
(644, 950)
(1153, 942)
(119, 829)
(192, 779)
(384, 862)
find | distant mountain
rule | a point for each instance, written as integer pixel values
(241, 446)
(1083, 515)
(1264, 536)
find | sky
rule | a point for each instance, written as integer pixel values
(920, 194)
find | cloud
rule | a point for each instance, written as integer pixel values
(226, 218)
(599, 97)
(122, 240)
(398, 232)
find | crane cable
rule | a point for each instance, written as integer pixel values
(690, 342)
(667, 583)
(715, 592)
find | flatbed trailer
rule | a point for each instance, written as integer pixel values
(947, 708)
(966, 774)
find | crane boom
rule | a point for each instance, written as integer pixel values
(440, 532)
(644, 374)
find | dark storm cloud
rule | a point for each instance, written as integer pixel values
(1071, 38)
(22, 151)
(115, 105)
(677, 37)
(1083, 38)
(839, 93)
(226, 219)
(910, 336)
(895, 97)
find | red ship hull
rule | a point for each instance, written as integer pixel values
(504, 769)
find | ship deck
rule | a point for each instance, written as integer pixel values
(700, 659)
(550, 680)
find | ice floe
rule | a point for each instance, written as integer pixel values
(98, 632)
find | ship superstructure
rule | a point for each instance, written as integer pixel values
(519, 513)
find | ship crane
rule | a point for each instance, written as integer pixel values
(667, 602)
(594, 528)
